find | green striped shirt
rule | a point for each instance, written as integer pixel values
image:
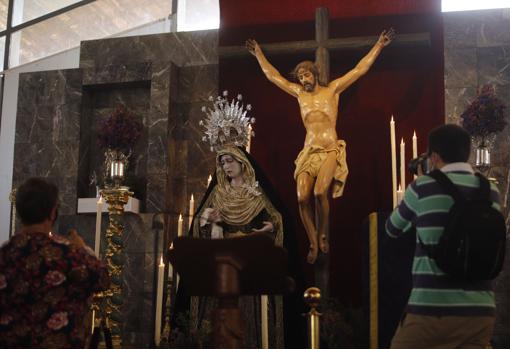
(426, 206)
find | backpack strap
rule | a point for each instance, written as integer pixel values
(447, 185)
(484, 193)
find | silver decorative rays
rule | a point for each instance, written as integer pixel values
(226, 122)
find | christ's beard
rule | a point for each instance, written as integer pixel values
(309, 87)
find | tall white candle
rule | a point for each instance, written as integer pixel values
(400, 194)
(170, 271)
(415, 147)
(179, 225)
(93, 321)
(248, 147)
(393, 161)
(159, 303)
(191, 210)
(98, 225)
(179, 234)
(209, 179)
(402, 164)
(264, 325)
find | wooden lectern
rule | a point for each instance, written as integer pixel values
(226, 269)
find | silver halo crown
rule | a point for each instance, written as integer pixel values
(226, 122)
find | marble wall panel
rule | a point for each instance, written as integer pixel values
(493, 29)
(47, 131)
(46, 101)
(148, 263)
(197, 83)
(186, 48)
(164, 77)
(58, 161)
(460, 67)
(156, 193)
(461, 29)
(157, 153)
(492, 65)
(456, 100)
(199, 152)
(117, 74)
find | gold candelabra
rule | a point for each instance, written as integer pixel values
(116, 197)
(166, 335)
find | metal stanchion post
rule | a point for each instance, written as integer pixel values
(312, 297)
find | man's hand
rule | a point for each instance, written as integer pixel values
(266, 228)
(386, 37)
(253, 47)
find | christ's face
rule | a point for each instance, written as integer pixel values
(231, 166)
(306, 79)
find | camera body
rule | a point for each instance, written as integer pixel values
(420, 165)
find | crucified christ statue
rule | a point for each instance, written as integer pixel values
(321, 164)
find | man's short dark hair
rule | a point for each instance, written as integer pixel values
(451, 142)
(35, 199)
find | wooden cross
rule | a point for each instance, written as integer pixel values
(322, 40)
(321, 37)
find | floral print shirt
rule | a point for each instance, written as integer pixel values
(46, 289)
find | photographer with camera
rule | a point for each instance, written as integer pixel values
(420, 165)
(459, 249)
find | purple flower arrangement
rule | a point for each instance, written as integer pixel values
(120, 131)
(485, 114)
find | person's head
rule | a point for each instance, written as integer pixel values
(36, 202)
(307, 74)
(231, 166)
(447, 144)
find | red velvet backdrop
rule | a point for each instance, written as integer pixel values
(405, 82)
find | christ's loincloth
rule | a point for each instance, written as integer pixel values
(310, 161)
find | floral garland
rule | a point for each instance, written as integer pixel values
(120, 131)
(485, 114)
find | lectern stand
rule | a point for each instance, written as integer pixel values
(226, 269)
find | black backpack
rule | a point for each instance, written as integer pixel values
(473, 243)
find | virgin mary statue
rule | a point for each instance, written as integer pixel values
(236, 204)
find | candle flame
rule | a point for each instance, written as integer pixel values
(180, 217)
(161, 264)
(50, 234)
(402, 141)
(192, 198)
(399, 187)
(392, 119)
(100, 201)
(414, 134)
